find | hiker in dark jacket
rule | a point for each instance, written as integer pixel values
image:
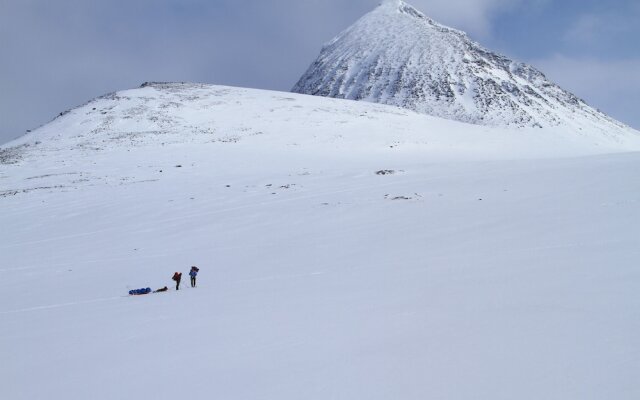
(176, 277)
(193, 273)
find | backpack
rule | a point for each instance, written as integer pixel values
(177, 276)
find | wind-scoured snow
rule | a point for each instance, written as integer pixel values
(396, 55)
(347, 250)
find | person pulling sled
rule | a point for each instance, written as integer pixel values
(177, 277)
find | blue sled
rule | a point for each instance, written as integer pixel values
(136, 292)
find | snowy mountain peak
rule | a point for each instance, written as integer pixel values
(396, 55)
(407, 10)
(400, 6)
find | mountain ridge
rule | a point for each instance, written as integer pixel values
(165, 113)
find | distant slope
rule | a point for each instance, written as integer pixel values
(163, 114)
(396, 55)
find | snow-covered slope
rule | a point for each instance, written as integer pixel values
(159, 114)
(396, 55)
(347, 250)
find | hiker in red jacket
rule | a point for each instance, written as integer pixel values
(176, 277)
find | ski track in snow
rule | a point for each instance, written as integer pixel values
(83, 302)
(51, 306)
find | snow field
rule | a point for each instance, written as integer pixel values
(493, 272)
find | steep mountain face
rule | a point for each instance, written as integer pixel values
(396, 55)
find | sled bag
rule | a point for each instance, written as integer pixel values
(136, 292)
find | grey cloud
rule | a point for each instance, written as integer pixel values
(60, 54)
(601, 29)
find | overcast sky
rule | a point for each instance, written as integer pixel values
(58, 54)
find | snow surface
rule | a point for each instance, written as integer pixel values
(396, 55)
(489, 264)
